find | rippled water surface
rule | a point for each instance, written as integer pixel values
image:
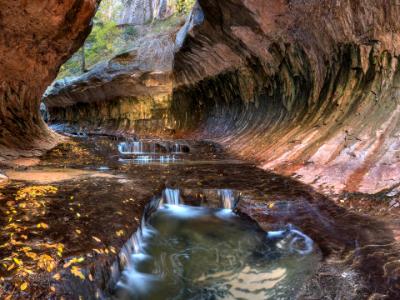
(206, 253)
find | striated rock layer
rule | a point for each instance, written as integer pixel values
(129, 93)
(303, 87)
(36, 37)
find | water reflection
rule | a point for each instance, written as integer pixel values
(200, 252)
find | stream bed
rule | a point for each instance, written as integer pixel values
(157, 219)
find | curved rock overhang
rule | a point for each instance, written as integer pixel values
(305, 88)
(36, 38)
(129, 93)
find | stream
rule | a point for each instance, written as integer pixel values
(205, 251)
(159, 219)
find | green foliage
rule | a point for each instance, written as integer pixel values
(71, 68)
(130, 31)
(184, 6)
(99, 44)
(107, 39)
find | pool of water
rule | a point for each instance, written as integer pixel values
(203, 252)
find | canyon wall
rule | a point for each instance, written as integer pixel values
(36, 38)
(131, 93)
(304, 88)
(140, 12)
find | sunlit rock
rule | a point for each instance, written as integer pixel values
(129, 93)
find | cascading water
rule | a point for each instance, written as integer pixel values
(171, 196)
(227, 198)
(198, 252)
(145, 152)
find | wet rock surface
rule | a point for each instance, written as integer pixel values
(82, 224)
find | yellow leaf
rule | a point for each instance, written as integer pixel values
(24, 286)
(120, 233)
(11, 267)
(78, 231)
(31, 255)
(96, 239)
(57, 276)
(73, 261)
(17, 261)
(27, 271)
(46, 262)
(53, 289)
(76, 271)
(42, 225)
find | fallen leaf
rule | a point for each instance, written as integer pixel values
(120, 233)
(31, 255)
(57, 276)
(24, 286)
(11, 267)
(42, 225)
(46, 262)
(96, 239)
(73, 261)
(76, 271)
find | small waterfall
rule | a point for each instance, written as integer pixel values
(293, 239)
(172, 196)
(177, 148)
(130, 148)
(227, 197)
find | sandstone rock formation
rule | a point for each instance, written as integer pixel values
(36, 37)
(305, 88)
(139, 12)
(129, 93)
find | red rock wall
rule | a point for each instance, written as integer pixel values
(306, 88)
(36, 37)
